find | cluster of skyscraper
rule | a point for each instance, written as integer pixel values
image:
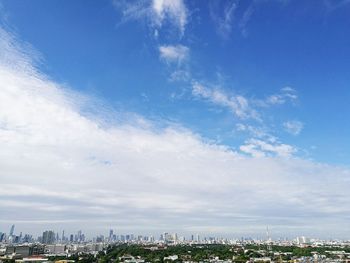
(48, 237)
(51, 237)
(12, 238)
(125, 238)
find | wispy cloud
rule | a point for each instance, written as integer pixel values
(241, 106)
(228, 15)
(173, 10)
(180, 75)
(238, 104)
(261, 148)
(245, 19)
(255, 131)
(250, 114)
(223, 18)
(174, 54)
(156, 12)
(262, 141)
(287, 94)
(293, 127)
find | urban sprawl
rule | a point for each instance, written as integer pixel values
(112, 248)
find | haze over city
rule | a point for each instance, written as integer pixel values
(212, 117)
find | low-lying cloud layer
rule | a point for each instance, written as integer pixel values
(62, 166)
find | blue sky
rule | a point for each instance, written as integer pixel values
(262, 81)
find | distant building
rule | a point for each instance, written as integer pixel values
(2, 237)
(110, 234)
(12, 230)
(48, 237)
(25, 250)
(302, 240)
(56, 249)
(172, 258)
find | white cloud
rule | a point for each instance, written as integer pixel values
(230, 14)
(245, 19)
(173, 10)
(65, 168)
(293, 127)
(251, 114)
(239, 105)
(287, 94)
(174, 54)
(255, 131)
(223, 19)
(180, 75)
(260, 148)
(135, 10)
(157, 12)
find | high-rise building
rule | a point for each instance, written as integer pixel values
(110, 234)
(12, 230)
(48, 237)
(166, 237)
(175, 237)
(27, 238)
(2, 236)
(302, 240)
(79, 237)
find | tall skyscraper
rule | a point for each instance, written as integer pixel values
(2, 236)
(12, 230)
(79, 236)
(48, 237)
(110, 234)
(166, 237)
(175, 237)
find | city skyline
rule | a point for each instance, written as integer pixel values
(208, 117)
(111, 236)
